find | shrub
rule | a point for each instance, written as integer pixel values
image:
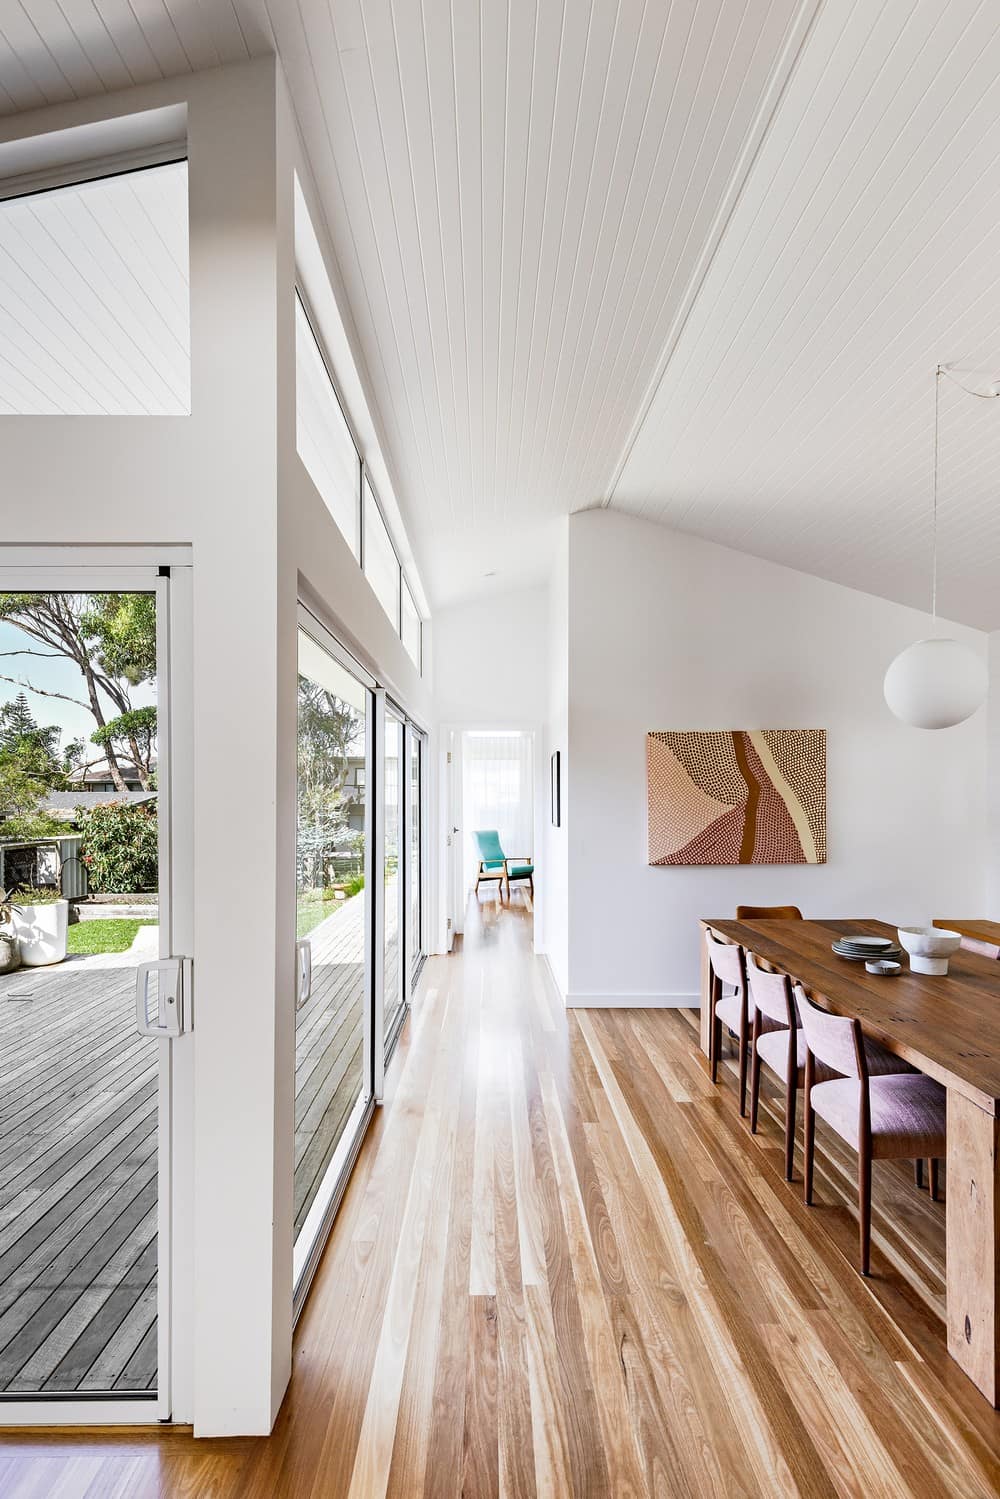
(120, 845)
(32, 895)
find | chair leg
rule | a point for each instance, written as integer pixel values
(918, 1172)
(933, 1166)
(808, 1137)
(791, 1092)
(716, 1048)
(865, 1208)
(754, 1075)
(744, 1059)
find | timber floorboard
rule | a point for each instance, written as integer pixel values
(563, 1266)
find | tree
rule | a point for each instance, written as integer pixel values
(111, 637)
(328, 731)
(29, 766)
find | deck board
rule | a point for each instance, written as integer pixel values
(78, 1291)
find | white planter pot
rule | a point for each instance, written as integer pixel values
(41, 933)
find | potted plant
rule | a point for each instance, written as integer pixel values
(10, 950)
(40, 921)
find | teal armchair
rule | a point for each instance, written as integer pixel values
(494, 864)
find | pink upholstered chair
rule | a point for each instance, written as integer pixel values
(898, 1116)
(984, 949)
(771, 997)
(728, 967)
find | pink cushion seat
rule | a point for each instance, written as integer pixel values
(908, 1113)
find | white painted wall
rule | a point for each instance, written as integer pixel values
(491, 659)
(992, 905)
(227, 481)
(554, 938)
(670, 632)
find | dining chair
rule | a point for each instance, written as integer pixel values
(728, 967)
(896, 1116)
(768, 913)
(984, 949)
(771, 996)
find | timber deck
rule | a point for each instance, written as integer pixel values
(78, 1164)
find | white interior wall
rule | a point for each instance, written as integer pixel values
(670, 632)
(208, 479)
(228, 481)
(555, 842)
(992, 905)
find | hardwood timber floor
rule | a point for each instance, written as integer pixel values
(565, 1267)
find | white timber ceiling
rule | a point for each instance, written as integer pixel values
(795, 418)
(695, 259)
(94, 298)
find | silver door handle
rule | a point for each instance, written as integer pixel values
(171, 1016)
(304, 971)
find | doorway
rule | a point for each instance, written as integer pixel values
(95, 1001)
(493, 793)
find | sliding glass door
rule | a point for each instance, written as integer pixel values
(333, 1074)
(358, 875)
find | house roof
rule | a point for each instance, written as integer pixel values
(69, 801)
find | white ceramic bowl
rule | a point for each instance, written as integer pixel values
(884, 967)
(929, 947)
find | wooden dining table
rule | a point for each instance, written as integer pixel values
(949, 1028)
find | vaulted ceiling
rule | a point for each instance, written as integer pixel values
(696, 259)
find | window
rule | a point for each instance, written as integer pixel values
(94, 317)
(322, 434)
(410, 632)
(381, 562)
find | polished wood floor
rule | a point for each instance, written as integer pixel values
(564, 1267)
(77, 1184)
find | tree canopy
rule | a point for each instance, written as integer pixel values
(111, 638)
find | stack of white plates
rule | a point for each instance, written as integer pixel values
(865, 949)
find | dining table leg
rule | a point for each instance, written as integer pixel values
(972, 1198)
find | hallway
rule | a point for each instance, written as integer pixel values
(564, 1267)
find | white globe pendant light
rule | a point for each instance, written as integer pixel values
(939, 682)
(936, 683)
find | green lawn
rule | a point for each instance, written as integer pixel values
(310, 911)
(113, 935)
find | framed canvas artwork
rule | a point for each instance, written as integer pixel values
(737, 796)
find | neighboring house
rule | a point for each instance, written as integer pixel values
(65, 804)
(98, 777)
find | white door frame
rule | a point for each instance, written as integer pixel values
(165, 571)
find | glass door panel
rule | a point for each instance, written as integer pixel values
(80, 858)
(392, 772)
(332, 1022)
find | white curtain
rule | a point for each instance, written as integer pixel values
(496, 793)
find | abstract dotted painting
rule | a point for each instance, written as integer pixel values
(740, 796)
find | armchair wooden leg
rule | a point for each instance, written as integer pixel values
(716, 1034)
(744, 1059)
(918, 1172)
(933, 1165)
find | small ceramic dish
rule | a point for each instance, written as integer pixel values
(884, 968)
